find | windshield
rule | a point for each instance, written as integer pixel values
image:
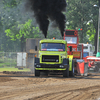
(72, 40)
(52, 47)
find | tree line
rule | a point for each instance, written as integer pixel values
(17, 24)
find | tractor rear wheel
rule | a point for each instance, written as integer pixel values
(86, 69)
(96, 69)
(71, 73)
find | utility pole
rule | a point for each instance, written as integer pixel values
(98, 28)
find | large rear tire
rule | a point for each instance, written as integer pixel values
(96, 69)
(37, 73)
(71, 73)
(85, 69)
(66, 72)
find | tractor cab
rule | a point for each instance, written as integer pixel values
(72, 38)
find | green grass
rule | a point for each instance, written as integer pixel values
(8, 62)
(13, 69)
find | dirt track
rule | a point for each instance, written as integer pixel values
(27, 87)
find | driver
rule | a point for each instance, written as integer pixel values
(70, 41)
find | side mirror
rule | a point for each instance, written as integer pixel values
(35, 48)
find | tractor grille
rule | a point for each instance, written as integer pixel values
(49, 58)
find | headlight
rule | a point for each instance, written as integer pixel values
(63, 56)
(61, 66)
(38, 65)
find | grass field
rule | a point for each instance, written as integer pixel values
(8, 62)
(13, 69)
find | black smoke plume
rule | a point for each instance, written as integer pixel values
(48, 9)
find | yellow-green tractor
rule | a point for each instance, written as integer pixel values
(53, 58)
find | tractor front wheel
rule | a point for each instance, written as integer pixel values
(66, 72)
(37, 72)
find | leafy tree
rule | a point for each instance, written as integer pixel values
(16, 24)
(6, 21)
(93, 24)
(23, 31)
(90, 33)
(79, 14)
